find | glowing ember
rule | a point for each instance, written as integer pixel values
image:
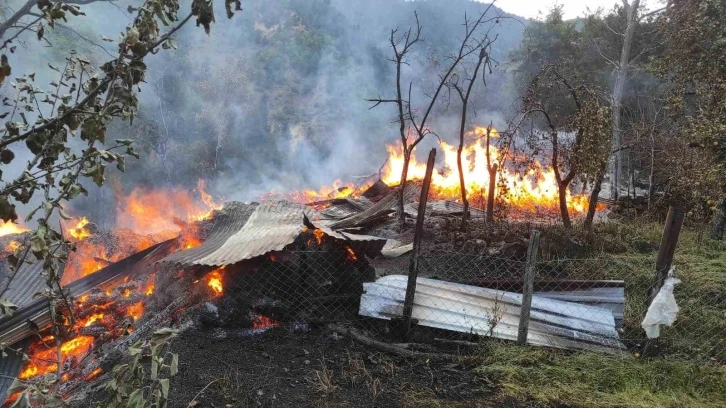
(78, 231)
(319, 234)
(7, 228)
(150, 290)
(94, 373)
(136, 310)
(351, 254)
(262, 322)
(12, 246)
(43, 357)
(215, 281)
(92, 319)
(534, 190)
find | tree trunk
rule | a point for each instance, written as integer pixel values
(719, 223)
(462, 185)
(401, 193)
(562, 190)
(490, 194)
(631, 13)
(594, 194)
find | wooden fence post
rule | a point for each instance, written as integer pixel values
(528, 288)
(413, 263)
(664, 260)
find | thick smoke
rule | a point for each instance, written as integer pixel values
(274, 99)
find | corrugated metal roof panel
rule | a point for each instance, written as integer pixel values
(469, 309)
(442, 207)
(11, 365)
(28, 281)
(271, 227)
(227, 222)
(381, 208)
(346, 207)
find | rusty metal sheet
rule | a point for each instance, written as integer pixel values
(227, 222)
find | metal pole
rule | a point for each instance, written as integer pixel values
(528, 289)
(664, 260)
(413, 263)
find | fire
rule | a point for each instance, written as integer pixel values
(338, 189)
(43, 357)
(537, 189)
(263, 322)
(149, 211)
(78, 231)
(319, 234)
(136, 310)
(215, 281)
(12, 246)
(7, 228)
(91, 319)
(351, 254)
(94, 374)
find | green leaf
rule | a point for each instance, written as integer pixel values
(7, 308)
(154, 369)
(7, 210)
(164, 383)
(174, 367)
(125, 142)
(136, 398)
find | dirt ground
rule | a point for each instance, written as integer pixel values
(311, 368)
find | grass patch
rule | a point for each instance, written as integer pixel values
(556, 378)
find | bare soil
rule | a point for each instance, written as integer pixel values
(311, 368)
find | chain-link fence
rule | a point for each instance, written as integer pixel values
(583, 304)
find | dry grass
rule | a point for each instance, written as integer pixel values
(323, 379)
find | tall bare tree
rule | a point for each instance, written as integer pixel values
(623, 66)
(412, 128)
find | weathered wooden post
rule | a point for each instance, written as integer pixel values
(528, 288)
(664, 260)
(418, 232)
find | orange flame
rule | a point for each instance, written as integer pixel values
(94, 373)
(91, 319)
(78, 231)
(319, 234)
(537, 189)
(351, 254)
(337, 190)
(7, 228)
(136, 310)
(153, 211)
(12, 246)
(42, 357)
(215, 281)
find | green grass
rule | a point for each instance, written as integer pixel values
(556, 378)
(689, 370)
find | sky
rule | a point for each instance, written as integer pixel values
(532, 8)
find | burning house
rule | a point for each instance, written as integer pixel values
(313, 259)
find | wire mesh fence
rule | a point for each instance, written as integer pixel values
(583, 304)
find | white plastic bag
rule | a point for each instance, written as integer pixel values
(663, 310)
